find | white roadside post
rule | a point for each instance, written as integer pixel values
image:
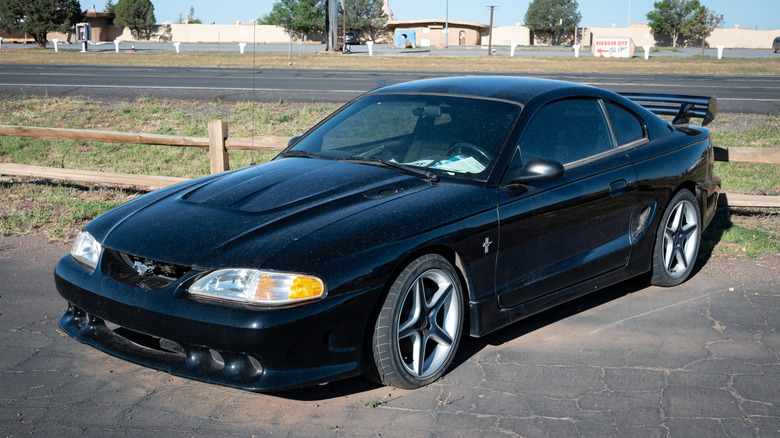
(177, 46)
(647, 50)
(241, 47)
(116, 45)
(577, 50)
(512, 51)
(1, 42)
(720, 52)
(56, 43)
(370, 45)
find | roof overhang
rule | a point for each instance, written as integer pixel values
(392, 25)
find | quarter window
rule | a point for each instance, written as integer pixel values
(626, 126)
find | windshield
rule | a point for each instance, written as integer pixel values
(457, 136)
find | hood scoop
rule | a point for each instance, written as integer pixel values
(294, 182)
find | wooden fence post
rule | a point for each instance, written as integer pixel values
(218, 156)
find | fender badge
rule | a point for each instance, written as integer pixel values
(487, 244)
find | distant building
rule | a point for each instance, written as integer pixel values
(100, 22)
(431, 33)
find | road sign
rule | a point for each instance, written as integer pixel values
(613, 47)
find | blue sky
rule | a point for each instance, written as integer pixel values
(749, 14)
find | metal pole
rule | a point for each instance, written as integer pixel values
(447, 25)
(344, 27)
(254, 47)
(490, 31)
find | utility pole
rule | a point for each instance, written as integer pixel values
(447, 24)
(490, 31)
(331, 24)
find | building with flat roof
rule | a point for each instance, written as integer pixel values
(431, 33)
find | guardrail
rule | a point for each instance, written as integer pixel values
(218, 143)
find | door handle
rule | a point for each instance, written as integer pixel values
(617, 188)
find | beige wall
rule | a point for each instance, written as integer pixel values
(508, 35)
(736, 38)
(731, 38)
(198, 33)
(214, 33)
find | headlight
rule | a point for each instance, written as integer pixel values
(86, 251)
(258, 287)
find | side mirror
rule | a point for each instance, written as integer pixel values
(293, 140)
(538, 169)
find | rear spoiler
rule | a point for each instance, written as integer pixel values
(681, 107)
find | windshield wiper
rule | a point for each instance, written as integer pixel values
(409, 170)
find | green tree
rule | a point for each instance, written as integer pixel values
(297, 16)
(701, 25)
(553, 19)
(191, 18)
(364, 16)
(109, 6)
(136, 15)
(670, 16)
(39, 17)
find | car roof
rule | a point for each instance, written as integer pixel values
(513, 88)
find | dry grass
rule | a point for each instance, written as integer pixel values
(405, 62)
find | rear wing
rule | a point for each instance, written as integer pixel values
(681, 107)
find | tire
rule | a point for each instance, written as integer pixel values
(677, 241)
(418, 329)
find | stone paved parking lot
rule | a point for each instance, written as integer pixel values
(701, 359)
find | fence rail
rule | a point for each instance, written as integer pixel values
(218, 143)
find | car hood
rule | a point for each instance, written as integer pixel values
(240, 218)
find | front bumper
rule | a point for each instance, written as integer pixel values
(254, 348)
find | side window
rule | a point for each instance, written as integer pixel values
(567, 131)
(627, 126)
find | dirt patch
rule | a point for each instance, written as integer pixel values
(743, 268)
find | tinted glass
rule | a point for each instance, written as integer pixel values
(454, 135)
(566, 131)
(626, 126)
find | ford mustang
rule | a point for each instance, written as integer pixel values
(413, 215)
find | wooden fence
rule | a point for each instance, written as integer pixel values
(218, 143)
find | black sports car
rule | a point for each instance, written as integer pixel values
(411, 215)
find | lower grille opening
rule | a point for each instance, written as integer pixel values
(199, 360)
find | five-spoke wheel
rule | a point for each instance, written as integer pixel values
(418, 329)
(677, 241)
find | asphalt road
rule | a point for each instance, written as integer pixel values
(701, 359)
(750, 94)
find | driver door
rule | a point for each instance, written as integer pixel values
(555, 234)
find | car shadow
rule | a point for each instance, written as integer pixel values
(470, 347)
(712, 236)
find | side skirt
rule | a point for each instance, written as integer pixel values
(487, 317)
